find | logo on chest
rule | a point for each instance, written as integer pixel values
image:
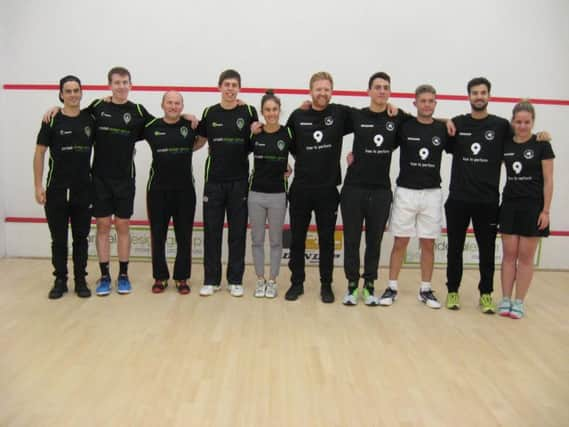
(529, 154)
(281, 145)
(329, 121)
(127, 118)
(184, 131)
(240, 123)
(489, 135)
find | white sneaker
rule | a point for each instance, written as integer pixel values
(260, 288)
(235, 290)
(271, 290)
(351, 298)
(207, 290)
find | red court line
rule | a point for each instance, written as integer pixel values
(283, 91)
(143, 222)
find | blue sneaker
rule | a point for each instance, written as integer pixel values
(123, 285)
(103, 286)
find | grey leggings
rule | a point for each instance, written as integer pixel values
(263, 206)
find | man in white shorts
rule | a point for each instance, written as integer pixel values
(417, 202)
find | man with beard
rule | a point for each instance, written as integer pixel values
(477, 149)
(317, 146)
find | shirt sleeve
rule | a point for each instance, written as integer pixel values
(345, 112)
(44, 135)
(547, 152)
(202, 126)
(145, 114)
(451, 140)
(290, 127)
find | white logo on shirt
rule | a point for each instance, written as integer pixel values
(475, 148)
(329, 121)
(126, 117)
(318, 135)
(65, 132)
(240, 123)
(517, 167)
(378, 139)
(489, 135)
(436, 141)
(390, 126)
(424, 153)
(528, 154)
(184, 131)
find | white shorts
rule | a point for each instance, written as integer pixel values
(417, 213)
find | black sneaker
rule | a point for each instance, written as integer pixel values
(294, 292)
(59, 288)
(428, 297)
(388, 297)
(81, 288)
(326, 293)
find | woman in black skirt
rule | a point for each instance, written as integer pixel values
(524, 214)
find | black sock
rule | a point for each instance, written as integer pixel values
(104, 266)
(123, 268)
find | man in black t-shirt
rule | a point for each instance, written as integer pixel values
(170, 191)
(477, 150)
(317, 147)
(66, 198)
(118, 125)
(366, 195)
(226, 128)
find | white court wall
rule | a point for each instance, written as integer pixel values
(521, 46)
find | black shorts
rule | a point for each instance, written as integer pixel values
(519, 217)
(113, 197)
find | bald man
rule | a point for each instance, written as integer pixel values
(170, 191)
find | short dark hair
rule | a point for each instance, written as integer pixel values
(121, 71)
(229, 74)
(270, 96)
(378, 75)
(68, 78)
(476, 81)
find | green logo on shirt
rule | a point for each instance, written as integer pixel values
(240, 123)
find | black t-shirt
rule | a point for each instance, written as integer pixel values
(375, 138)
(478, 149)
(270, 159)
(117, 128)
(70, 140)
(524, 170)
(317, 144)
(172, 148)
(228, 134)
(420, 150)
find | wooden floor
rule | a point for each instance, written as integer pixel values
(170, 360)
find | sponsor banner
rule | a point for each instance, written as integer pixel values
(312, 251)
(470, 253)
(141, 243)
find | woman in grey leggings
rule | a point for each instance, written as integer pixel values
(267, 192)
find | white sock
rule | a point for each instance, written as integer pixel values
(425, 286)
(392, 284)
